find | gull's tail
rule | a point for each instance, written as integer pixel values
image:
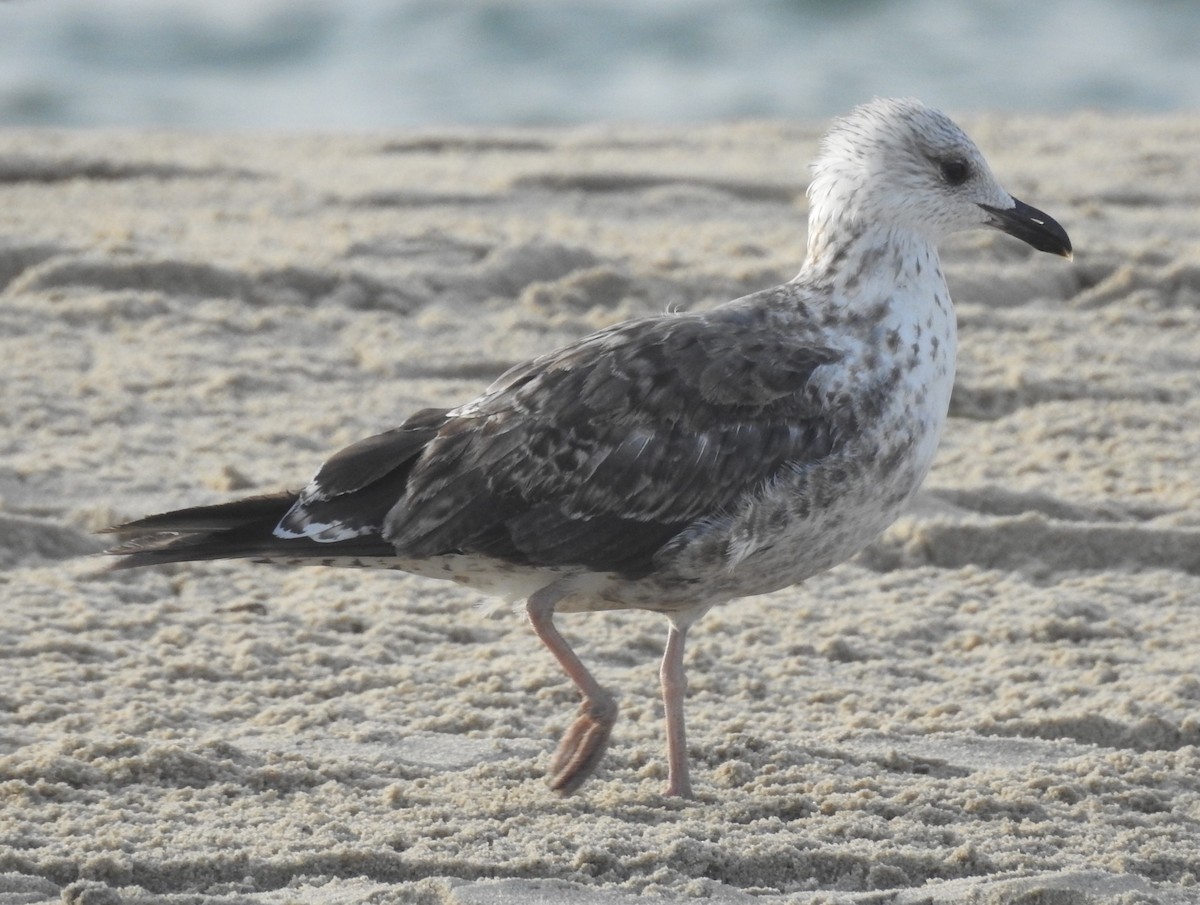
(347, 502)
(242, 529)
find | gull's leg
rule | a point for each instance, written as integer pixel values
(583, 744)
(674, 688)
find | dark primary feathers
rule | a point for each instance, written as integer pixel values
(595, 455)
(599, 453)
(238, 530)
(358, 485)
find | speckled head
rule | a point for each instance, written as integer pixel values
(900, 166)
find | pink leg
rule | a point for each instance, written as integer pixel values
(674, 688)
(583, 744)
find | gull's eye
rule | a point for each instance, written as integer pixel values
(954, 170)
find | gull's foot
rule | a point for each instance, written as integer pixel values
(582, 746)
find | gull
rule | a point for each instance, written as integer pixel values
(677, 462)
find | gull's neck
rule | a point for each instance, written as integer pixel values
(854, 259)
(883, 289)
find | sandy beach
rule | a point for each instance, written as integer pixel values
(997, 703)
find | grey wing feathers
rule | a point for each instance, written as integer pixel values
(599, 454)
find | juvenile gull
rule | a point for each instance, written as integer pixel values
(675, 462)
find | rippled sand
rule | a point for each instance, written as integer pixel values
(998, 702)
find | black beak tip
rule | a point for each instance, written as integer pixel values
(1027, 223)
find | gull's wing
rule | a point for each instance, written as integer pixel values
(597, 454)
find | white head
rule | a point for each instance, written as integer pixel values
(899, 166)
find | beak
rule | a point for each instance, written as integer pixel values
(1031, 226)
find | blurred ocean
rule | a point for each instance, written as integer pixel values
(367, 64)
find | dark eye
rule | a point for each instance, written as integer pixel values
(955, 170)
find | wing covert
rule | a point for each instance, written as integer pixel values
(599, 453)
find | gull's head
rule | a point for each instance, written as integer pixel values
(903, 167)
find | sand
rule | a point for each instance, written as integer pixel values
(996, 703)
